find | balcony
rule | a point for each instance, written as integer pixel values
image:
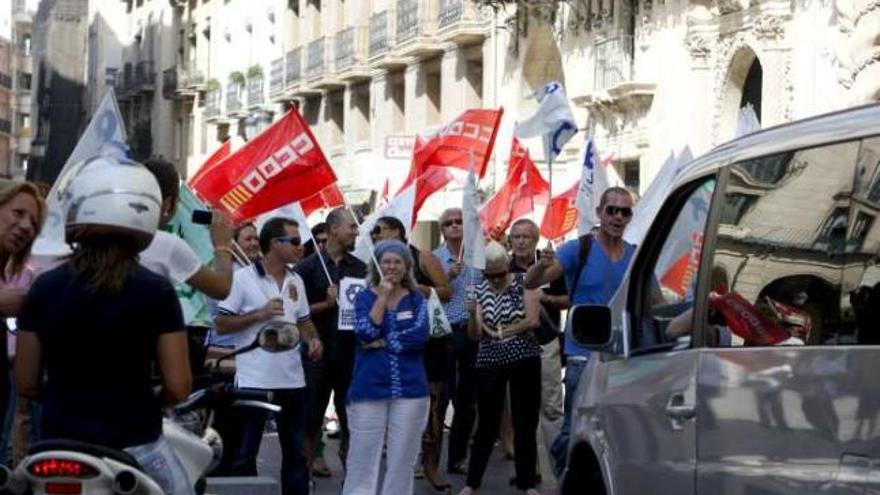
(145, 76)
(24, 141)
(293, 69)
(352, 52)
(318, 70)
(416, 28)
(5, 81)
(170, 80)
(255, 96)
(191, 77)
(233, 99)
(461, 22)
(5, 125)
(614, 62)
(212, 105)
(276, 78)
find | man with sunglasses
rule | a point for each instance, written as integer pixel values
(462, 358)
(591, 281)
(265, 291)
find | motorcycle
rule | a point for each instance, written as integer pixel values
(70, 467)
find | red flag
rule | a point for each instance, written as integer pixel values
(561, 214)
(472, 132)
(282, 165)
(216, 157)
(329, 197)
(521, 191)
(434, 179)
(385, 194)
(745, 320)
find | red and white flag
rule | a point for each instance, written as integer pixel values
(561, 215)
(329, 197)
(383, 198)
(522, 190)
(216, 157)
(472, 133)
(281, 165)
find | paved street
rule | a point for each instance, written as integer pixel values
(495, 481)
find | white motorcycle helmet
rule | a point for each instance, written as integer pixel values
(113, 196)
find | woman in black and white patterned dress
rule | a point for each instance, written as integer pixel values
(505, 314)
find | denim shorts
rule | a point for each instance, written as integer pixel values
(160, 463)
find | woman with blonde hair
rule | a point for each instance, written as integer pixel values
(22, 213)
(388, 398)
(503, 318)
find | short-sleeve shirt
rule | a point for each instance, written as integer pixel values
(251, 290)
(171, 257)
(99, 350)
(501, 310)
(598, 282)
(312, 273)
(456, 307)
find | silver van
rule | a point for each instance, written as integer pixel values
(742, 352)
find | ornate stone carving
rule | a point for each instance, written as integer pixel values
(698, 46)
(728, 6)
(769, 27)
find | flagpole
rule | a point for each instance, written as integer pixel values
(549, 151)
(372, 248)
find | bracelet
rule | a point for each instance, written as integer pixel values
(224, 250)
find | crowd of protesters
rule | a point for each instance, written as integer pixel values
(368, 340)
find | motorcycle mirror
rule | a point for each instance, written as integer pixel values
(278, 336)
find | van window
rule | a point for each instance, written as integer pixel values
(671, 280)
(795, 259)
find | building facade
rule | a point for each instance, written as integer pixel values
(6, 101)
(22, 79)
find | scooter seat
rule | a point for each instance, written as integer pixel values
(84, 448)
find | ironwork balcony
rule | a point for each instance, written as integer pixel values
(461, 21)
(614, 62)
(276, 77)
(170, 83)
(212, 104)
(145, 76)
(193, 78)
(5, 81)
(416, 27)
(352, 51)
(233, 98)
(379, 33)
(255, 96)
(5, 126)
(316, 63)
(293, 67)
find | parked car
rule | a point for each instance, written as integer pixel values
(741, 354)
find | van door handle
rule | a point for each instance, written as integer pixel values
(678, 411)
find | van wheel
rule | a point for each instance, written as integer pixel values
(583, 474)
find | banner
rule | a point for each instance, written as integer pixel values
(522, 190)
(104, 136)
(472, 133)
(553, 120)
(216, 157)
(195, 307)
(561, 215)
(281, 165)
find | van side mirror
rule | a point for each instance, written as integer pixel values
(591, 327)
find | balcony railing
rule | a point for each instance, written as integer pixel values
(170, 82)
(293, 67)
(6, 81)
(316, 63)
(451, 11)
(255, 95)
(351, 47)
(379, 33)
(233, 98)
(276, 77)
(414, 18)
(191, 76)
(614, 62)
(145, 75)
(5, 125)
(212, 104)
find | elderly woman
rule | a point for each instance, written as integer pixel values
(505, 314)
(388, 397)
(22, 212)
(428, 274)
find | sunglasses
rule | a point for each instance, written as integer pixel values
(322, 240)
(450, 223)
(495, 276)
(625, 211)
(293, 241)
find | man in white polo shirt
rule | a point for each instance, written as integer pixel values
(262, 292)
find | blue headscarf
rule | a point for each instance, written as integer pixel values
(396, 247)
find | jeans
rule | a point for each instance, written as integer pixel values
(559, 451)
(461, 386)
(374, 423)
(524, 379)
(291, 433)
(160, 463)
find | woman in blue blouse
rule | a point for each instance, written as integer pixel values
(388, 398)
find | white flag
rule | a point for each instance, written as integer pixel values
(292, 211)
(747, 122)
(648, 206)
(473, 243)
(105, 136)
(585, 202)
(400, 207)
(554, 120)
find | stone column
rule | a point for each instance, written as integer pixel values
(381, 120)
(416, 97)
